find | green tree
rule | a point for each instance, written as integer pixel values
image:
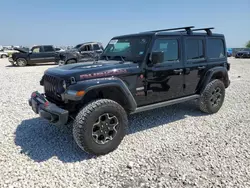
(248, 44)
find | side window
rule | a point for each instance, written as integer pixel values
(48, 49)
(195, 49)
(96, 47)
(169, 47)
(36, 50)
(215, 48)
(86, 48)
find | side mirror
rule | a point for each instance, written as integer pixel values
(157, 57)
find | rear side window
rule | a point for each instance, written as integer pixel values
(195, 49)
(96, 47)
(215, 48)
(48, 49)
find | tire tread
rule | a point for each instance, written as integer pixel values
(79, 126)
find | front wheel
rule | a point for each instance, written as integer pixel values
(212, 97)
(71, 61)
(21, 62)
(100, 126)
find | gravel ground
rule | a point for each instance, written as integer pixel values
(177, 146)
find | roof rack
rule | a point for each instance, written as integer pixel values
(187, 28)
(208, 30)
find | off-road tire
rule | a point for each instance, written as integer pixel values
(21, 62)
(205, 103)
(86, 118)
(3, 56)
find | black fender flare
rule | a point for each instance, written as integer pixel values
(210, 74)
(89, 85)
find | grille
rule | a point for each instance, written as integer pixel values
(53, 87)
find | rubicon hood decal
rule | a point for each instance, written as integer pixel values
(104, 73)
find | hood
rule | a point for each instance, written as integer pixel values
(21, 50)
(92, 70)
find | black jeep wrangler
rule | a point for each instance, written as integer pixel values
(135, 73)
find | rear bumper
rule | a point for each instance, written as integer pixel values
(47, 110)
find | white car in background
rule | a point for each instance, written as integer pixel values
(3, 54)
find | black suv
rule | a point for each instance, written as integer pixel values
(243, 53)
(87, 51)
(37, 54)
(136, 72)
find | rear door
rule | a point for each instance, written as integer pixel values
(49, 53)
(195, 62)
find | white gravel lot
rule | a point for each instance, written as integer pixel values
(176, 146)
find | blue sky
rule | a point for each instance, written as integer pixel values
(68, 22)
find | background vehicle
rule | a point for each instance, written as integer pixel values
(80, 53)
(37, 54)
(3, 54)
(229, 52)
(135, 73)
(243, 54)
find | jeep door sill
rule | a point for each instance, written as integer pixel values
(165, 103)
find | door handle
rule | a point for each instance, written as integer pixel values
(178, 70)
(202, 67)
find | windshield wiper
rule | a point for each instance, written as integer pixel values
(121, 57)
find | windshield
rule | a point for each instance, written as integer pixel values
(127, 49)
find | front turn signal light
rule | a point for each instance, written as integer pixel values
(80, 93)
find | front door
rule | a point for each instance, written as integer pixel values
(165, 81)
(36, 55)
(86, 53)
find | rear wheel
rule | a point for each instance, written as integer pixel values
(21, 62)
(100, 126)
(212, 97)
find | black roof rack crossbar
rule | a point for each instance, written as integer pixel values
(208, 30)
(187, 28)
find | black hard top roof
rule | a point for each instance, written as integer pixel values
(175, 31)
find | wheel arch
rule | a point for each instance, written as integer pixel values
(219, 73)
(112, 88)
(72, 58)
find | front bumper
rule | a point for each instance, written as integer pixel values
(10, 59)
(47, 110)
